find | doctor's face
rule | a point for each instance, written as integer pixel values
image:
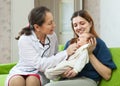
(49, 25)
(80, 25)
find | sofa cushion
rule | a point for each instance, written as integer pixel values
(5, 68)
(2, 79)
(114, 81)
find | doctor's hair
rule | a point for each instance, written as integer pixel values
(36, 16)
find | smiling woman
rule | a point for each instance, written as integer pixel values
(100, 57)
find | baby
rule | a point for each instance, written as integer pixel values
(77, 61)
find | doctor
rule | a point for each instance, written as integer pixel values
(37, 45)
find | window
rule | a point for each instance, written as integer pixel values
(66, 8)
(62, 11)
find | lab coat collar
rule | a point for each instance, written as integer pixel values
(34, 38)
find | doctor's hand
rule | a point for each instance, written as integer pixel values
(71, 49)
(69, 73)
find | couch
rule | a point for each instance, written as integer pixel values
(114, 81)
(4, 70)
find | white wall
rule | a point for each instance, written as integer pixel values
(110, 22)
(19, 14)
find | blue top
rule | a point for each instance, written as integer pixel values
(103, 54)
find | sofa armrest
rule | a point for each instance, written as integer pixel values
(5, 68)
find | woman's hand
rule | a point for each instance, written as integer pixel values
(92, 46)
(69, 73)
(71, 49)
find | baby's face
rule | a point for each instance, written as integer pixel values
(83, 39)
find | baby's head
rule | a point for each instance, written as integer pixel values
(84, 38)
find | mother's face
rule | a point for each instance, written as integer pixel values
(80, 25)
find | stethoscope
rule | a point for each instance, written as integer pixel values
(45, 45)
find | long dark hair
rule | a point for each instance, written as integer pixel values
(84, 14)
(36, 16)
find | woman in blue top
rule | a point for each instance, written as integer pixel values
(100, 64)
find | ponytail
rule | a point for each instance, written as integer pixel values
(26, 30)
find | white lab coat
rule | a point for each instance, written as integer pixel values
(30, 52)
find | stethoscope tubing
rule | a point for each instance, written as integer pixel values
(47, 48)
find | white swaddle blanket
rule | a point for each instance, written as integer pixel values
(77, 61)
